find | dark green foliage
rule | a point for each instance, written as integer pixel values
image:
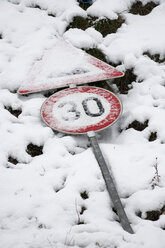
(84, 195)
(48, 93)
(104, 85)
(106, 26)
(41, 226)
(139, 126)
(153, 136)
(99, 55)
(155, 57)
(12, 160)
(51, 14)
(153, 215)
(124, 83)
(82, 210)
(81, 222)
(36, 6)
(81, 23)
(96, 53)
(139, 9)
(15, 112)
(84, 6)
(34, 150)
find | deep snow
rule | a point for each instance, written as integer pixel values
(59, 199)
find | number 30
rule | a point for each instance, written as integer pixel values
(73, 108)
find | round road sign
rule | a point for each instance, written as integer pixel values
(80, 110)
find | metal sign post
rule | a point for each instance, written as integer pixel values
(84, 110)
(112, 191)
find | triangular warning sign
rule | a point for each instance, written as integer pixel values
(64, 65)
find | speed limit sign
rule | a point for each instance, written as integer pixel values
(80, 110)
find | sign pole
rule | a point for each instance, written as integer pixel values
(109, 183)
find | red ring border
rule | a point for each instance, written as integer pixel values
(112, 117)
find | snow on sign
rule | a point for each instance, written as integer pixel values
(80, 110)
(63, 65)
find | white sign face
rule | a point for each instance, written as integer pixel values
(81, 109)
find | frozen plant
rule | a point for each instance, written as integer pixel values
(156, 179)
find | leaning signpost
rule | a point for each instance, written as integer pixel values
(85, 110)
(82, 109)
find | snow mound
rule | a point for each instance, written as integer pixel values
(52, 192)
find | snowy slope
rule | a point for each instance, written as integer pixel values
(58, 198)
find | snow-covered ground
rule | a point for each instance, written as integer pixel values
(58, 199)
